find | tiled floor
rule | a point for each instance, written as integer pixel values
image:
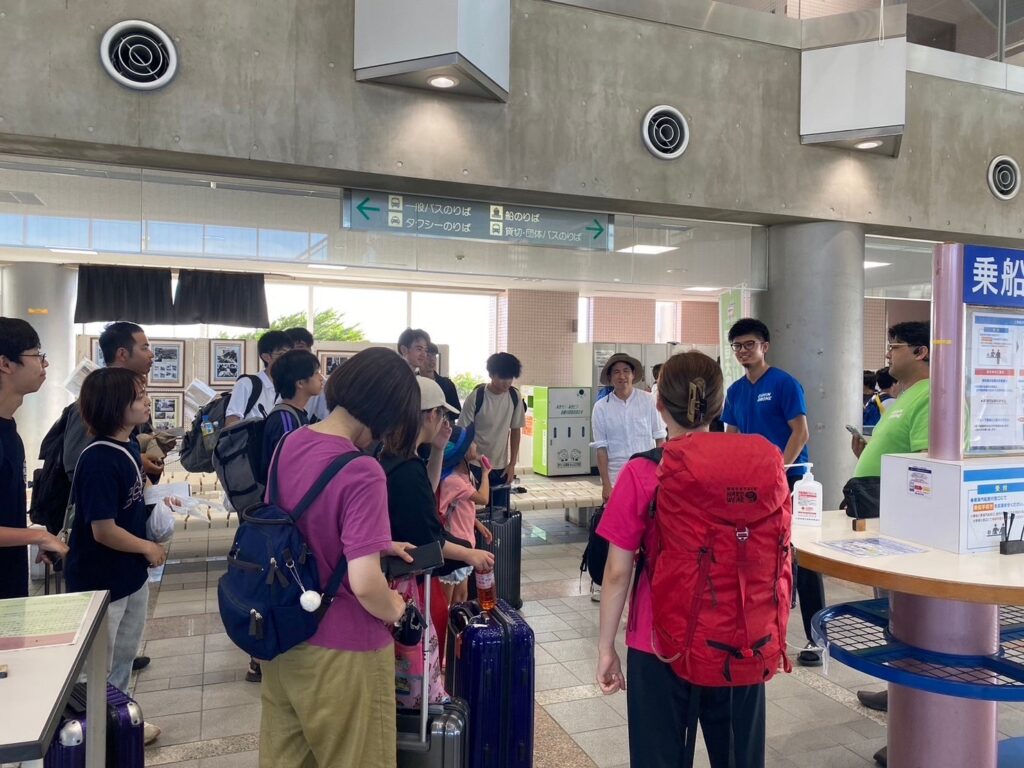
(194, 689)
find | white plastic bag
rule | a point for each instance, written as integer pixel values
(160, 525)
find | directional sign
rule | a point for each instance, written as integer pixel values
(475, 220)
(993, 277)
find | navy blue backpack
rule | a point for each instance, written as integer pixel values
(270, 566)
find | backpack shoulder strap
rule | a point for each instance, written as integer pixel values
(479, 402)
(515, 400)
(878, 402)
(652, 455)
(257, 390)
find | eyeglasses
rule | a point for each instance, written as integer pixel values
(891, 347)
(744, 345)
(40, 355)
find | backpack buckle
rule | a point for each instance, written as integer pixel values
(742, 534)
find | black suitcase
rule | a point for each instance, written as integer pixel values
(434, 736)
(506, 526)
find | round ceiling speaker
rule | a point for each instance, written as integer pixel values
(1004, 177)
(666, 132)
(139, 55)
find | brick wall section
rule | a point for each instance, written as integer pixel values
(538, 329)
(874, 333)
(698, 322)
(623, 321)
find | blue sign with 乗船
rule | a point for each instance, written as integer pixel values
(993, 277)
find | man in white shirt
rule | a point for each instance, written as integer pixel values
(625, 421)
(270, 346)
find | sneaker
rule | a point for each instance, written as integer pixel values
(150, 733)
(595, 593)
(882, 757)
(876, 700)
(255, 672)
(810, 656)
(140, 662)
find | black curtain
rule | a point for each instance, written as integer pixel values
(138, 294)
(223, 298)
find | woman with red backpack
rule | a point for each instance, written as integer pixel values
(705, 523)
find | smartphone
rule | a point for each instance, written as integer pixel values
(855, 432)
(424, 558)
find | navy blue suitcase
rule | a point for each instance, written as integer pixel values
(124, 732)
(489, 664)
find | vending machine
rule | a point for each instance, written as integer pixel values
(561, 430)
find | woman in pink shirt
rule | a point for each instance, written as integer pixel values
(657, 700)
(331, 700)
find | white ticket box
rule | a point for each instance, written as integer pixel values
(959, 506)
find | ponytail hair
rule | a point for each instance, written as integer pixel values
(691, 388)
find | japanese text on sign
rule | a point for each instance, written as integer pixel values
(993, 276)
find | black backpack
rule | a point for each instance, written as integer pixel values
(51, 487)
(479, 402)
(595, 556)
(195, 455)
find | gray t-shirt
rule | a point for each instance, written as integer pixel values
(493, 424)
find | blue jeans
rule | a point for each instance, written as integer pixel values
(126, 620)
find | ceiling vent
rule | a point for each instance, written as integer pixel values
(139, 55)
(1004, 177)
(666, 132)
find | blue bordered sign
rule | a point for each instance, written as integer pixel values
(993, 277)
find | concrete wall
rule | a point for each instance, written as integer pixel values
(266, 88)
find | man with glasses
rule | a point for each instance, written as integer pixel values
(22, 372)
(769, 402)
(903, 428)
(413, 344)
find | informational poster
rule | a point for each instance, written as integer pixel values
(995, 391)
(38, 622)
(995, 507)
(873, 547)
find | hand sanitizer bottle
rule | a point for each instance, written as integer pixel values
(807, 500)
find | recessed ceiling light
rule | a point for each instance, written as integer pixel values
(876, 264)
(78, 251)
(870, 144)
(648, 250)
(442, 81)
(702, 289)
(326, 266)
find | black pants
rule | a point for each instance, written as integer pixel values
(657, 700)
(810, 588)
(499, 498)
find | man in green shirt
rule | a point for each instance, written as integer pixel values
(902, 429)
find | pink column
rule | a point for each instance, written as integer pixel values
(946, 425)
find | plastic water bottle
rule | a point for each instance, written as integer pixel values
(486, 592)
(807, 499)
(207, 429)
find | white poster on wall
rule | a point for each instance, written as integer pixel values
(995, 394)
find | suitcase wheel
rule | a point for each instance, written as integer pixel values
(72, 734)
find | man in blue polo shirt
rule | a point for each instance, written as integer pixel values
(769, 402)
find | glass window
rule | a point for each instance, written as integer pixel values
(230, 241)
(12, 229)
(56, 232)
(283, 245)
(380, 315)
(960, 26)
(174, 237)
(1015, 32)
(666, 321)
(117, 236)
(465, 322)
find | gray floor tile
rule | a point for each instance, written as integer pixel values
(231, 721)
(606, 747)
(552, 676)
(172, 666)
(237, 760)
(178, 729)
(230, 695)
(175, 646)
(584, 715)
(833, 757)
(572, 650)
(174, 701)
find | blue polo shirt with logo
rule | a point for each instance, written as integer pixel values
(766, 407)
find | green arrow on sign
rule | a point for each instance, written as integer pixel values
(597, 229)
(363, 208)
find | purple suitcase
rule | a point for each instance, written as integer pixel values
(124, 732)
(490, 665)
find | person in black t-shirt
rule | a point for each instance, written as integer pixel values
(22, 372)
(451, 394)
(109, 548)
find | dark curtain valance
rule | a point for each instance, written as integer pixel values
(138, 294)
(222, 298)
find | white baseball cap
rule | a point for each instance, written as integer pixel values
(432, 396)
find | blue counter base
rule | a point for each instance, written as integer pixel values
(856, 634)
(1011, 753)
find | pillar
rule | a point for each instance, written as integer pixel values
(539, 327)
(814, 308)
(622, 320)
(48, 292)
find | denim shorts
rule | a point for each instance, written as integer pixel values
(457, 576)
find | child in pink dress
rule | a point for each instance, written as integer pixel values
(458, 498)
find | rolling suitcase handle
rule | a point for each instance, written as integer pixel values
(423, 744)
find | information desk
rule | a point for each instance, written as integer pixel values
(940, 602)
(46, 643)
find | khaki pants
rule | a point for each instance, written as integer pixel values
(329, 709)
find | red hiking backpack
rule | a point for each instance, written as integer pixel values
(722, 574)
